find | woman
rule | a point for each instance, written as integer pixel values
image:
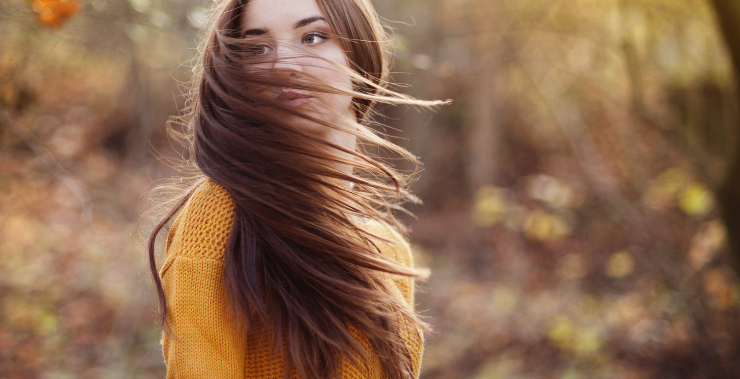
(285, 259)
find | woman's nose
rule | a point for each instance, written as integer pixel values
(288, 63)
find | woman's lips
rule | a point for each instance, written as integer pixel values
(294, 98)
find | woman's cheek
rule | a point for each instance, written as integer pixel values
(338, 105)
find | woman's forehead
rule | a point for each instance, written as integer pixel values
(275, 15)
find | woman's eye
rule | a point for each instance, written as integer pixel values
(259, 49)
(314, 38)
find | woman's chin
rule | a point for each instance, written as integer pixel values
(303, 123)
(307, 126)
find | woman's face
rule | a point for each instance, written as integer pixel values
(293, 39)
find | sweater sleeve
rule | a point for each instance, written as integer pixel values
(401, 252)
(406, 284)
(203, 342)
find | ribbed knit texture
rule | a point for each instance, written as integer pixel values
(206, 342)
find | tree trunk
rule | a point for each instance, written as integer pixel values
(728, 17)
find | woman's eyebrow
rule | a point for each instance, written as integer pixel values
(254, 32)
(301, 23)
(307, 21)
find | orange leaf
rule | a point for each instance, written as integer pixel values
(53, 13)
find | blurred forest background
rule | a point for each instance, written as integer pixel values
(578, 218)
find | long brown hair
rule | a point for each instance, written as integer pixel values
(297, 265)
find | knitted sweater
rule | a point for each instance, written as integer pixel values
(206, 342)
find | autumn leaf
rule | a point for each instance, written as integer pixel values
(53, 13)
(491, 206)
(620, 265)
(696, 200)
(543, 226)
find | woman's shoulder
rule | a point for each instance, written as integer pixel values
(391, 242)
(203, 225)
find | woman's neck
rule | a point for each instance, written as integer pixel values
(349, 142)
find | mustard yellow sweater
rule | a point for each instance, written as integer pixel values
(206, 343)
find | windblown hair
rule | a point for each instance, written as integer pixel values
(297, 265)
